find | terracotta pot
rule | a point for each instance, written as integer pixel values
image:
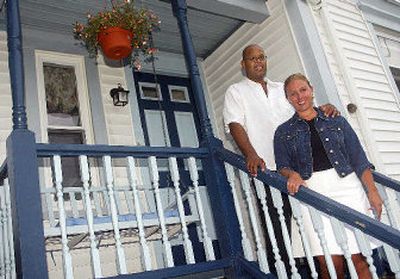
(115, 42)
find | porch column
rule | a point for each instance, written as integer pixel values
(30, 256)
(218, 188)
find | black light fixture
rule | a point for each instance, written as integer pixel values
(119, 95)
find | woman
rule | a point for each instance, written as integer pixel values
(325, 155)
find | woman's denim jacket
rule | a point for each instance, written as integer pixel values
(292, 146)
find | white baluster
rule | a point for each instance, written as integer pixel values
(73, 202)
(7, 260)
(12, 273)
(366, 251)
(96, 200)
(278, 203)
(188, 247)
(341, 240)
(67, 261)
(120, 254)
(155, 179)
(3, 240)
(298, 216)
(389, 209)
(319, 229)
(247, 250)
(261, 194)
(133, 180)
(392, 256)
(94, 252)
(194, 176)
(50, 209)
(261, 254)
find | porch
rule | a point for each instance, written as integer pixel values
(152, 230)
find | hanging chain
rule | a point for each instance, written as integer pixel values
(158, 90)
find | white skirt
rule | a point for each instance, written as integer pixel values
(348, 191)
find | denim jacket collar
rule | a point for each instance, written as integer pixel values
(296, 118)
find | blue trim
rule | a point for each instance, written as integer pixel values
(180, 9)
(252, 269)
(16, 65)
(180, 270)
(387, 181)
(97, 150)
(343, 213)
(166, 105)
(29, 240)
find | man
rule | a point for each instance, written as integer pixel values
(253, 109)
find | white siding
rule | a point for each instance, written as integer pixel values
(5, 97)
(361, 79)
(222, 68)
(119, 122)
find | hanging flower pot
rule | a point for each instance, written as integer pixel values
(115, 42)
(121, 31)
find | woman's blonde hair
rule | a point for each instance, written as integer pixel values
(296, 76)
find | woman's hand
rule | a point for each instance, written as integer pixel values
(294, 182)
(375, 201)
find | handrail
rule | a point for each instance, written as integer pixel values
(343, 213)
(387, 181)
(252, 269)
(98, 150)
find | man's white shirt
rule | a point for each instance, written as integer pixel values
(260, 114)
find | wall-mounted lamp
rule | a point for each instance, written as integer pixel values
(119, 95)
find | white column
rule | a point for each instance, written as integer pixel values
(298, 216)
(278, 203)
(194, 176)
(94, 252)
(247, 250)
(188, 247)
(133, 181)
(67, 261)
(261, 254)
(279, 265)
(120, 254)
(160, 210)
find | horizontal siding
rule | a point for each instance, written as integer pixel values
(5, 97)
(119, 123)
(222, 68)
(372, 91)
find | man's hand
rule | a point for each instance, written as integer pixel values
(329, 110)
(253, 162)
(294, 182)
(375, 202)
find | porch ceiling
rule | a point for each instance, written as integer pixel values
(208, 29)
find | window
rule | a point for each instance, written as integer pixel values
(64, 107)
(396, 76)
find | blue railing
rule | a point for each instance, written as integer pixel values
(97, 150)
(343, 213)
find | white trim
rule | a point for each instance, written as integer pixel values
(78, 62)
(185, 91)
(152, 85)
(384, 62)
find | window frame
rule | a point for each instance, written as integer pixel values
(78, 63)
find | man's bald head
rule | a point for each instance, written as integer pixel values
(248, 48)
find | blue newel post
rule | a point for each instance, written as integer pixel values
(30, 256)
(218, 188)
